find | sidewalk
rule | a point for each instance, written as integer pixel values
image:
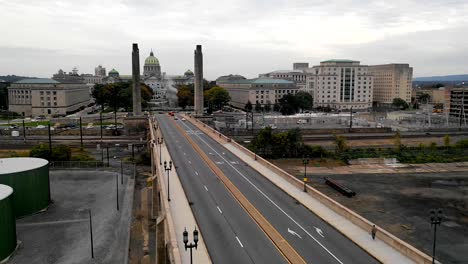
(181, 212)
(376, 248)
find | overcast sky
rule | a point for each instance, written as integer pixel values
(244, 37)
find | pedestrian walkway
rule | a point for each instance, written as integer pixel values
(380, 250)
(181, 212)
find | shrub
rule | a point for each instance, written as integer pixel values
(61, 153)
(40, 151)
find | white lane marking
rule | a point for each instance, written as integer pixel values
(219, 209)
(292, 232)
(205, 187)
(319, 231)
(196, 173)
(239, 242)
(269, 199)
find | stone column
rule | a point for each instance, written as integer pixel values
(198, 81)
(136, 80)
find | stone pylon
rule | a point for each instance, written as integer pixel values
(198, 81)
(136, 91)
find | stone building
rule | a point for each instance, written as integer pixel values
(264, 91)
(341, 84)
(100, 71)
(34, 97)
(186, 79)
(391, 81)
(152, 76)
(297, 75)
(71, 77)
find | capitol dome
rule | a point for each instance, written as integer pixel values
(188, 73)
(151, 60)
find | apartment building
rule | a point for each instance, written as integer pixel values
(391, 81)
(341, 84)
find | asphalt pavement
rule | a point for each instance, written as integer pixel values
(313, 238)
(230, 234)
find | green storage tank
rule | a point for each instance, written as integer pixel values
(7, 223)
(29, 178)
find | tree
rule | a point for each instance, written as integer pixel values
(61, 153)
(40, 151)
(99, 95)
(217, 97)
(119, 94)
(258, 107)
(400, 103)
(248, 106)
(397, 141)
(340, 144)
(447, 141)
(424, 98)
(276, 107)
(267, 107)
(288, 104)
(184, 96)
(304, 100)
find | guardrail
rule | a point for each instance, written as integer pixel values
(393, 241)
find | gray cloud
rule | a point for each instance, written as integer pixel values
(242, 36)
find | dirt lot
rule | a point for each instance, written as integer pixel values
(387, 142)
(400, 203)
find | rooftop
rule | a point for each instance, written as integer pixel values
(261, 81)
(37, 81)
(5, 191)
(14, 165)
(340, 61)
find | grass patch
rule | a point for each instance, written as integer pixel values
(33, 124)
(7, 153)
(78, 154)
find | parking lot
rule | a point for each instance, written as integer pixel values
(62, 233)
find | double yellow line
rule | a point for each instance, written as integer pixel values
(278, 240)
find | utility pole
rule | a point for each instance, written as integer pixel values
(91, 233)
(24, 132)
(50, 139)
(117, 190)
(100, 117)
(81, 134)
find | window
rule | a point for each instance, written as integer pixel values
(48, 92)
(41, 92)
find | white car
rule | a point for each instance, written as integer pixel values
(183, 119)
(41, 127)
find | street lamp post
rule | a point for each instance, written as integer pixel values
(167, 169)
(305, 161)
(436, 219)
(191, 245)
(160, 141)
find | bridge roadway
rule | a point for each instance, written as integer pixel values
(230, 234)
(313, 239)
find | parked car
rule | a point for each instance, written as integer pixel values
(41, 127)
(183, 119)
(301, 121)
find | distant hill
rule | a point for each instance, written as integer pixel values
(447, 78)
(14, 78)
